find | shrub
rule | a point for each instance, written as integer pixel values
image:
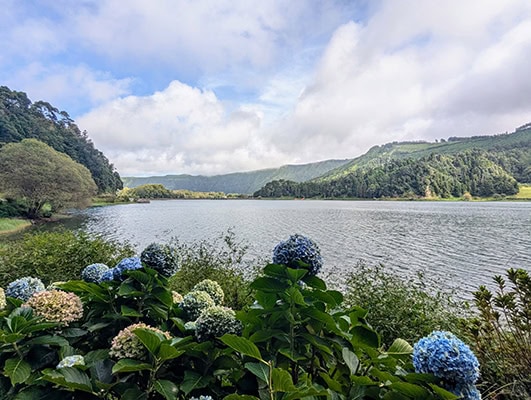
(222, 260)
(399, 309)
(298, 249)
(161, 257)
(57, 256)
(500, 335)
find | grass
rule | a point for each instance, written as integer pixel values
(10, 225)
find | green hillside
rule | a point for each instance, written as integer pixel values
(515, 146)
(21, 119)
(239, 182)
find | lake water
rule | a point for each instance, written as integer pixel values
(459, 244)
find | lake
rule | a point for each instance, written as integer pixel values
(458, 244)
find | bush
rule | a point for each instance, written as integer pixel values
(12, 208)
(501, 336)
(399, 309)
(57, 256)
(223, 261)
(297, 341)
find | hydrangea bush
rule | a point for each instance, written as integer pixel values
(212, 288)
(296, 341)
(162, 258)
(195, 302)
(24, 288)
(215, 322)
(56, 306)
(93, 272)
(298, 249)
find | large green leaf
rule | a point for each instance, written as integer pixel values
(129, 312)
(315, 282)
(266, 299)
(166, 388)
(268, 284)
(445, 394)
(168, 352)
(151, 340)
(17, 370)
(260, 370)
(364, 337)
(242, 345)
(411, 390)
(351, 360)
(48, 339)
(235, 396)
(193, 380)
(134, 394)
(282, 381)
(400, 347)
(296, 275)
(71, 378)
(129, 365)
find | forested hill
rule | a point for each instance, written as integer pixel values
(21, 119)
(516, 146)
(239, 182)
(481, 166)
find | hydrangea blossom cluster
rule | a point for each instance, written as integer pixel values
(116, 273)
(71, 361)
(93, 272)
(3, 302)
(176, 297)
(127, 345)
(213, 289)
(202, 398)
(297, 249)
(447, 357)
(162, 258)
(56, 306)
(215, 322)
(195, 302)
(24, 288)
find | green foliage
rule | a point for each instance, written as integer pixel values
(36, 173)
(501, 336)
(223, 261)
(21, 119)
(433, 176)
(297, 342)
(57, 256)
(12, 208)
(400, 309)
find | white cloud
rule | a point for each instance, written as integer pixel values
(180, 129)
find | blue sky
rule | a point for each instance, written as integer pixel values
(210, 87)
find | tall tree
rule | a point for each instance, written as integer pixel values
(38, 174)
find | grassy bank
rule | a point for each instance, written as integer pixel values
(11, 225)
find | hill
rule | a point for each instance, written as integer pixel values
(238, 182)
(516, 147)
(21, 119)
(482, 166)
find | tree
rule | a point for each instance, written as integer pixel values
(36, 173)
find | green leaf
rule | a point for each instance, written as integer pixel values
(267, 284)
(129, 312)
(266, 300)
(168, 352)
(282, 381)
(399, 347)
(315, 282)
(163, 295)
(296, 275)
(260, 370)
(166, 388)
(365, 337)
(96, 355)
(275, 270)
(129, 365)
(296, 296)
(76, 379)
(331, 383)
(129, 291)
(240, 397)
(48, 339)
(138, 275)
(445, 394)
(242, 345)
(191, 381)
(11, 337)
(151, 340)
(17, 370)
(351, 360)
(134, 394)
(409, 389)
(73, 332)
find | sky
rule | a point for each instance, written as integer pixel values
(218, 86)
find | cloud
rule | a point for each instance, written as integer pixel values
(415, 70)
(179, 129)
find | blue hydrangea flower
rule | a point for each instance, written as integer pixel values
(71, 361)
(116, 273)
(93, 272)
(162, 258)
(445, 356)
(297, 249)
(24, 288)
